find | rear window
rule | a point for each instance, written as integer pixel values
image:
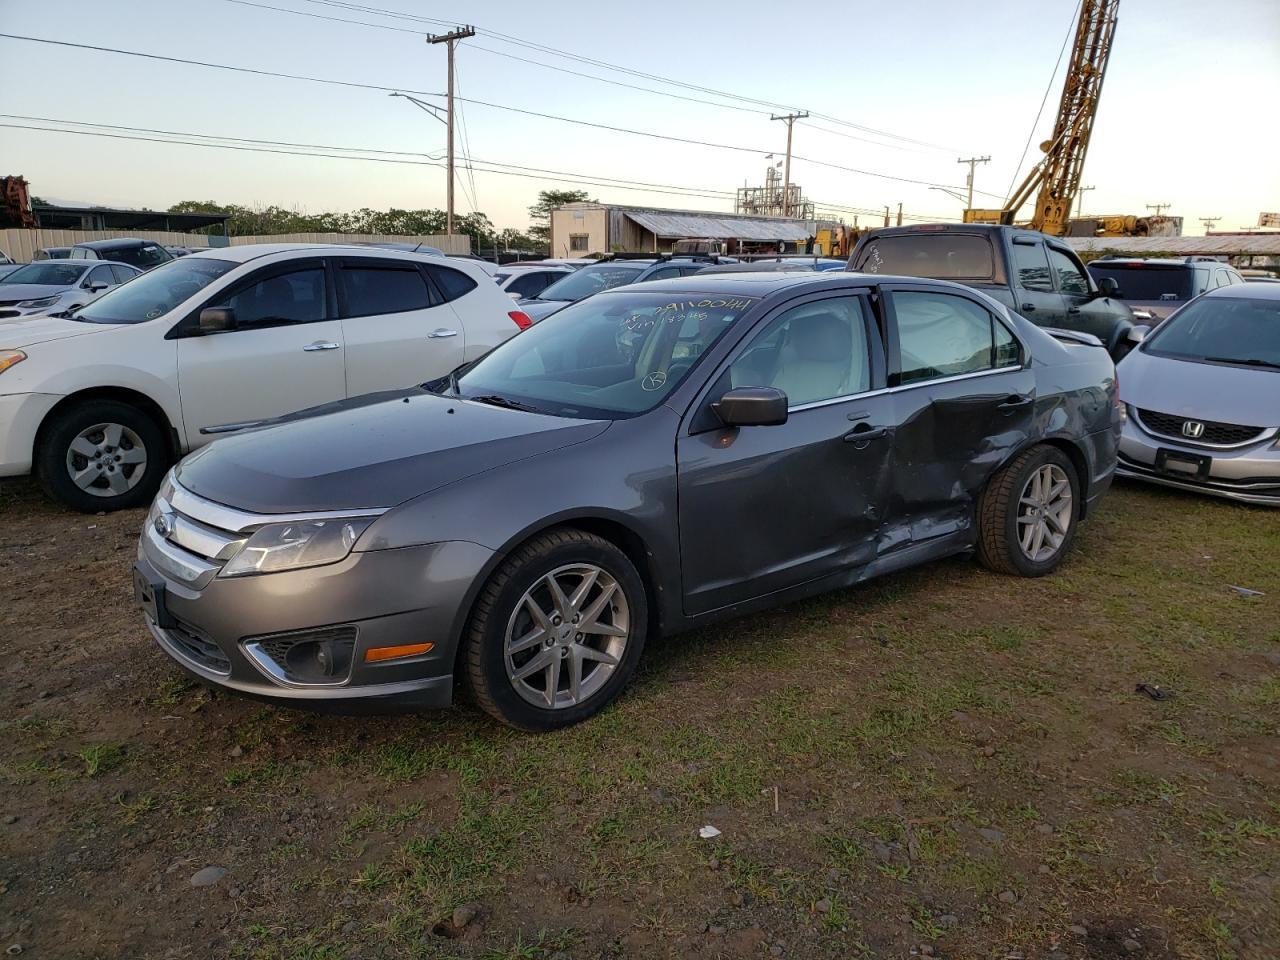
(452, 283)
(371, 291)
(1140, 281)
(939, 256)
(142, 257)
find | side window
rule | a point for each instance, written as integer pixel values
(527, 285)
(285, 298)
(452, 283)
(665, 273)
(374, 289)
(1224, 278)
(943, 336)
(123, 273)
(1032, 266)
(816, 351)
(1070, 277)
(100, 274)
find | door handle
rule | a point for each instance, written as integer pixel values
(862, 433)
(440, 332)
(1013, 402)
(1029, 308)
(320, 345)
(1073, 309)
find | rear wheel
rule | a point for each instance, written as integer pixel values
(102, 455)
(557, 631)
(1028, 512)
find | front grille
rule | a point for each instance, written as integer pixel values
(198, 649)
(9, 314)
(1215, 433)
(9, 303)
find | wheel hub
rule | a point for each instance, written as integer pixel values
(106, 460)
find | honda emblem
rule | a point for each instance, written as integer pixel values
(1193, 429)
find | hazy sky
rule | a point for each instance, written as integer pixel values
(1186, 115)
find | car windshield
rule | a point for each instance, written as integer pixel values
(1147, 283)
(1222, 329)
(941, 256)
(151, 295)
(608, 357)
(48, 273)
(591, 280)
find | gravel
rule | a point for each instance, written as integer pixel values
(208, 876)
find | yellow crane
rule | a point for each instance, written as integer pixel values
(1057, 175)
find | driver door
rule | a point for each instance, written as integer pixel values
(285, 354)
(763, 509)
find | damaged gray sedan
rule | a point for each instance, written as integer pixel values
(643, 462)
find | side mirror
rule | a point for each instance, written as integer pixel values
(98, 287)
(217, 320)
(1108, 287)
(752, 407)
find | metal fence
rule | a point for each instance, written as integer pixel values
(21, 245)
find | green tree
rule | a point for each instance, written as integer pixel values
(540, 212)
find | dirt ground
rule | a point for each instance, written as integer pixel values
(945, 763)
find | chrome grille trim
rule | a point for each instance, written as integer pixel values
(222, 517)
(1141, 415)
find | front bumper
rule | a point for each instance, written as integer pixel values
(381, 598)
(1246, 474)
(20, 417)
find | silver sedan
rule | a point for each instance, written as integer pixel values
(1202, 395)
(58, 286)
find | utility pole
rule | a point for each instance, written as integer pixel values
(886, 215)
(972, 162)
(1209, 222)
(1159, 208)
(899, 214)
(1080, 202)
(451, 38)
(786, 170)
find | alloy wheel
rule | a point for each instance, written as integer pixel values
(566, 636)
(106, 460)
(1044, 513)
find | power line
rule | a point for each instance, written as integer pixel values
(543, 48)
(215, 66)
(483, 103)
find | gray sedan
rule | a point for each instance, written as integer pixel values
(645, 461)
(1203, 397)
(58, 286)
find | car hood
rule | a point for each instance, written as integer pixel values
(1201, 391)
(541, 309)
(30, 291)
(27, 331)
(376, 451)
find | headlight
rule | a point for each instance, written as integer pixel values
(290, 546)
(9, 357)
(39, 304)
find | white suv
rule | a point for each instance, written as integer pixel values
(102, 402)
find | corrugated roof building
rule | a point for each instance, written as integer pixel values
(578, 229)
(1242, 250)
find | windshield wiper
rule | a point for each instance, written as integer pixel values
(1245, 362)
(497, 400)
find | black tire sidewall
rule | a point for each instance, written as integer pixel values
(491, 632)
(1025, 565)
(51, 458)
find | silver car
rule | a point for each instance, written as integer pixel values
(1202, 394)
(58, 286)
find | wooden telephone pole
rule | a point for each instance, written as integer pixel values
(786, 170)
(451, 38)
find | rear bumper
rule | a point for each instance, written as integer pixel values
(20, 417)
(379, 598)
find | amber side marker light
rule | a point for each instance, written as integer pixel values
(375, 654)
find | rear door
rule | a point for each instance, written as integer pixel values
(1036, 295)
(284, 355)
(398, 329)
(964, 398)
(766, 508)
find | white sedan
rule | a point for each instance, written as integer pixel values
(99, 403)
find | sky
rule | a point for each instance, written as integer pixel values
(1184, 119)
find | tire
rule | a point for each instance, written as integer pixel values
(126, 442)
(504, 614)
(1005, 518)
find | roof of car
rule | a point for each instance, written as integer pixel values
(252, 251)
(762, 284)
(117, 243)
(1246, 291)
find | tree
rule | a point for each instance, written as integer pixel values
(540, 212)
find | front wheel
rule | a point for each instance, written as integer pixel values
(1028, 512)
(102, 455)
(557, 631)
